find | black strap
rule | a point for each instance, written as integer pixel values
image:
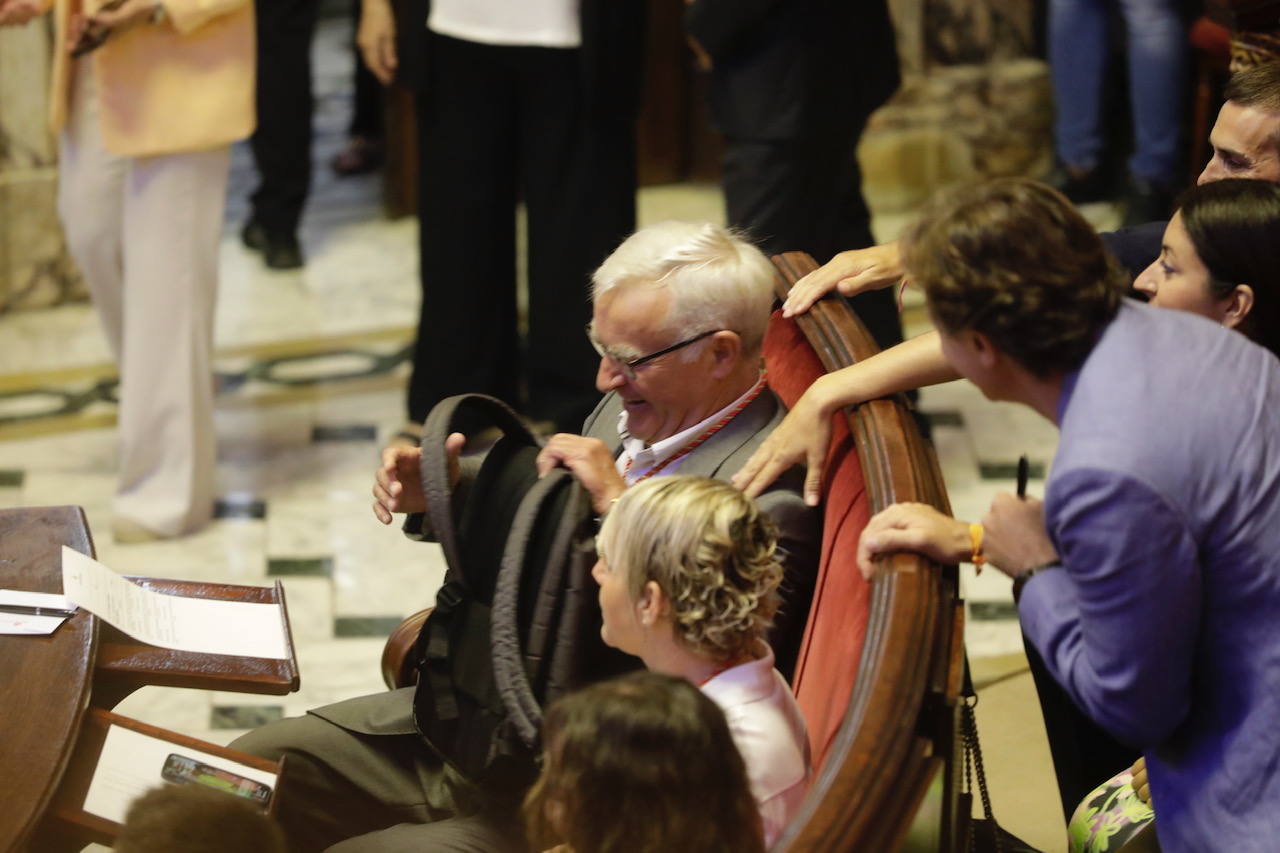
(437, 489)
(511, 666)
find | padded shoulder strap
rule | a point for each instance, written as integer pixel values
(441, 422)
(513, 659)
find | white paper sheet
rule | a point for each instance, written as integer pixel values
(35, 599)
(20, 623)
(25, 623)
(188, 624)
(130, 766)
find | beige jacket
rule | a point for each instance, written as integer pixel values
(185, 84)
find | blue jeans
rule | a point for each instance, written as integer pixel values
(1156, 53)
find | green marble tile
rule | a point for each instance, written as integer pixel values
(236, 507)
(12, 479)
(991, 611)
(244, 716)
(1009, 470)
(346, 432)
(320, 567)
(364, 626)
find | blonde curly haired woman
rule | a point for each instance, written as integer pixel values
(688, 578)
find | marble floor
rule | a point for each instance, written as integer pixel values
(312, 366)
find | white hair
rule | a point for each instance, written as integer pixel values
(716, 278)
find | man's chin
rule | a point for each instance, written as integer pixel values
(638, 421)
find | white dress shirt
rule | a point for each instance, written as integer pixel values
(530, 23)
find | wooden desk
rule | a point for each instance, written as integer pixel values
(46, 679)
(48, 682)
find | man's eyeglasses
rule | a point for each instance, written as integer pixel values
(628, 366)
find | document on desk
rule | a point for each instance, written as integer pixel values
(206, 625)
(132, 763)
(35, 620)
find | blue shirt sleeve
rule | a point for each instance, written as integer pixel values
(1118, 627)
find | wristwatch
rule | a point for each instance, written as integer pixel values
(158, 14)
(1021, 580)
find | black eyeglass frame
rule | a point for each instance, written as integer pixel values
(629, 366)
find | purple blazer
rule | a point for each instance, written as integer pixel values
(1164, 623)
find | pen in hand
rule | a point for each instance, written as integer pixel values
(1023, 471)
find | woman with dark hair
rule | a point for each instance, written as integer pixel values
(1220, 258)
(644, 763)
(688, 576)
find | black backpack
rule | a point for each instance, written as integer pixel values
(517, 622)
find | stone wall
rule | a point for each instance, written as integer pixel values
(35, 269)
(974, 102)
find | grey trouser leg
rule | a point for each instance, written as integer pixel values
(339, 784)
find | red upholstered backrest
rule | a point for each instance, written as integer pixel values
(837, 626)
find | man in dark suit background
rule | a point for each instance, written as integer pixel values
(792, 86)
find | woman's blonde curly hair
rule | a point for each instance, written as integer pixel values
(711, 552)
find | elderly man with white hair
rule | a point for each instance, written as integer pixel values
(679, 316)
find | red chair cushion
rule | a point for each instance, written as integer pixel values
(837, 626)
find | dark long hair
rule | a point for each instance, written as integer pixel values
(1234, 225)
(641, 764)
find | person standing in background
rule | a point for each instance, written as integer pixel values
(792, 86)
(146, 120)
(1156, 51)
(282, 141)
(518, 100)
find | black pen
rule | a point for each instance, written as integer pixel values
(32, 610)
(1023, 471)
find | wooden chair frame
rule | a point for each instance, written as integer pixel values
(901, 726)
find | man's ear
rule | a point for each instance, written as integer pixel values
(726, 349)
(651, 606)
(1237, 305)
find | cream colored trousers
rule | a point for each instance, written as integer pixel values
(145, 232)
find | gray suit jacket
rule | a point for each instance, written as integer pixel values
(799, 540)
(799, 526)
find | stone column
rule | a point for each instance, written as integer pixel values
(974, 103)
(35, 269)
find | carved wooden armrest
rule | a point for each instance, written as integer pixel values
(397, 667)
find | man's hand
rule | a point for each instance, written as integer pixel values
(850, 272)
(376, 39)
(1014, 538)
(913, 527)
(590, 461)
(397, 485)
(15, 13)
(802, 436)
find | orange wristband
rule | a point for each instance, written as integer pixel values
(975, 536)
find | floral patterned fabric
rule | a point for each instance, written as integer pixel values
(1109, 817)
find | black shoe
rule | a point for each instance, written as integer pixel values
(279, 251)
(1146, 201)
(1080, 187)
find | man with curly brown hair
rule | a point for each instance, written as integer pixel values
(1148, 579)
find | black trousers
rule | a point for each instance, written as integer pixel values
(805, 194)
(282, 141)
(497, 124)
(1084, 754)
(366, 103)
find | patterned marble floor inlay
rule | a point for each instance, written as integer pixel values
(300, 566)
(238, 506)
(365, 626)
(240, 717)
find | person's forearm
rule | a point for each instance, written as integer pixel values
(911, 364)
